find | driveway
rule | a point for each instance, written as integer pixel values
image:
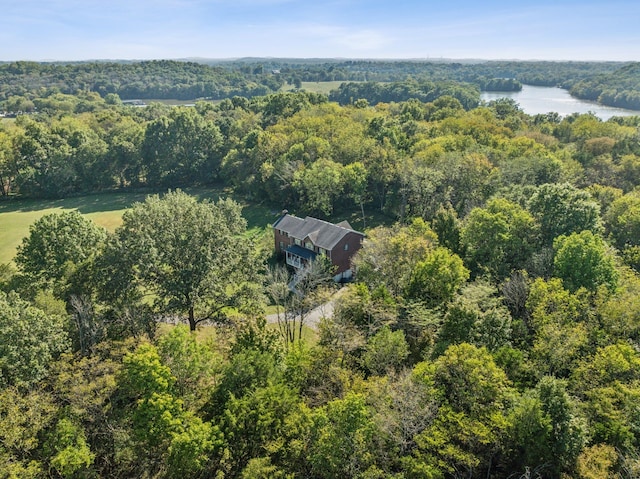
(312, 318)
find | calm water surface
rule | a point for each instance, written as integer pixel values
(541, 99)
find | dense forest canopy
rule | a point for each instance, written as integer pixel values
(620, 88)
(492, 331)
(138, 80)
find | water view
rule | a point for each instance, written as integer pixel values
(539, 99)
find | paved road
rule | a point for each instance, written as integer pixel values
(312, 318)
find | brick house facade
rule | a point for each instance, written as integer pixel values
(300, 240)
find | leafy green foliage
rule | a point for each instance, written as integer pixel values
(188, 253)
(29, 340)
(23, 420)
(150, 79)
(69, 450)
(436, 279)
(386, 351)
(619, 88)
(467, 430)
(528, 370)
(563, 209)
(389, 255)
(58, 243)
(477, 316)
(162, 427)
(582, 261)
(342, 437)
(499, 238)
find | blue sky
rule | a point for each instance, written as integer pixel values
(151, 29)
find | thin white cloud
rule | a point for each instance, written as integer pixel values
(80, 29)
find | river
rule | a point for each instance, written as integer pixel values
(541, 99)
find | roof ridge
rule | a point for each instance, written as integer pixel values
(331, 224)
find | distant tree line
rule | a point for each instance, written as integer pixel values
(424, 91)
(620, 88)
(483, 74)
(161, 79)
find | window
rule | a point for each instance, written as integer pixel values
(281, 245)
(346, 246)
(297, 241)
(309, 245)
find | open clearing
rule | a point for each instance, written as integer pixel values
(106, 210)
(316, 86)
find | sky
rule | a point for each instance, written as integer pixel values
(68, 30)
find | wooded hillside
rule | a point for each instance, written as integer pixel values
(493, 329)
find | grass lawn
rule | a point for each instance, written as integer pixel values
(105, 209)
(316, 86)
(17, 215)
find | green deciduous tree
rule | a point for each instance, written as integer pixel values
(68, 450)
(477, 316)
(269, 421)
(24, 419)
(342, 438)
(320, 185)
(499, 238)
(609, 385)
(386, 351)
(29, 340)
(562, 209)
(437, 278)
(582, 260)
(355, 176)
(622, 221)
(568, 430)
(164, 432)
(447, 226)
(194, 363)
(57, 243)
(181, 148)
(190, 254)
(546, 431)
(468, 429)
(389, 255)
(42, 161)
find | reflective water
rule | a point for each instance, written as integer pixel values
(540, 99)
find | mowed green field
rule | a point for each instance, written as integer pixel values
(315, 86)
(104, 209)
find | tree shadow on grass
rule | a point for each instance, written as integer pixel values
(85, 204)
(256, 214)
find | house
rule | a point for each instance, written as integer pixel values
(302, 240)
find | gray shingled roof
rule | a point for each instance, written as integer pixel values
(322, 233)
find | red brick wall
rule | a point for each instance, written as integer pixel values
(341, 257)
(288, 241)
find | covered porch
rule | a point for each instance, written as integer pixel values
(298, 257)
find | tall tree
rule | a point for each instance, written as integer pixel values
(189, 254)
(389, 255)
(55, 242)
(562, 209)
(499, 238)
(582, 260)
(182, 148)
